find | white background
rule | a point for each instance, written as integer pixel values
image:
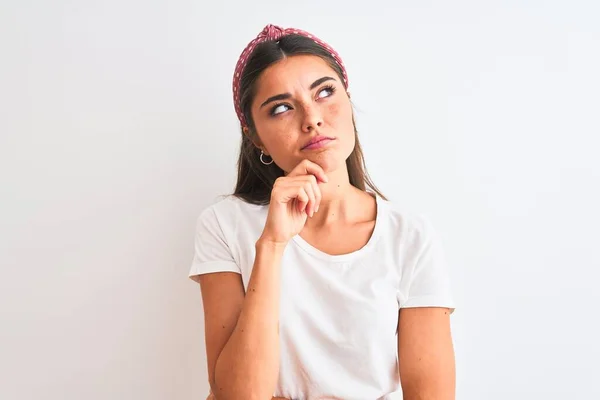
(117, 128)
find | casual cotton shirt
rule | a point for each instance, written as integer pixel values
(338, 313)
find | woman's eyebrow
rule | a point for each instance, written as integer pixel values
(284, 96)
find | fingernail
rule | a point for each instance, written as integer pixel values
(317, 209)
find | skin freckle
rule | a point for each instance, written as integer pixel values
(333, 109)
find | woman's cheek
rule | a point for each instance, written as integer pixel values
(333, 110)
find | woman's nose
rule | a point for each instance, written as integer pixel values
(312, 119)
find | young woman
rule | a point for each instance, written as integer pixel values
(314, 285)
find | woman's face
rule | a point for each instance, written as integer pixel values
(299, 98)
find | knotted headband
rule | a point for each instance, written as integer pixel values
(273, 32)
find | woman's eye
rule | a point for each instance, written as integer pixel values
(281, 108)
(277, 107)
(327, 89)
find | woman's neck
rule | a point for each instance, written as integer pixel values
(340, 201)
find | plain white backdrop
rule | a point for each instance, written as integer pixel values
(117, 128)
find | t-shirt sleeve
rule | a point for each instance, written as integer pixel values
(429, 282)
(211, 250)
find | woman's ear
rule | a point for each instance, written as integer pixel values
(261, 148)
(255, 140)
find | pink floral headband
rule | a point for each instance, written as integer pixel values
(273, 32)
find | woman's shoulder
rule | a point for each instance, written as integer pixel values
(404, 220)
(230, 210)
(229, 203)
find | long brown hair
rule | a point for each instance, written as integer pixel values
(255, 180)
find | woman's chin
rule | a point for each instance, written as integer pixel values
(328, 162)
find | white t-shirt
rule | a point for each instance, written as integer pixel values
(338, 313)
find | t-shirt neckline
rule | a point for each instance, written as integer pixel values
(348, 256)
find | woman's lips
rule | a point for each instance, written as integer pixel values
(321, 143)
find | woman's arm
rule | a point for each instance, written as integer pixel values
(211, 396)
(426, 354)
(242, 332)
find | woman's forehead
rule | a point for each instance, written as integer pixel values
(295, 70)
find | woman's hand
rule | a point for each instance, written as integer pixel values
(294, 198)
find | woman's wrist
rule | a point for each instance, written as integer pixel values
(265, 243)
